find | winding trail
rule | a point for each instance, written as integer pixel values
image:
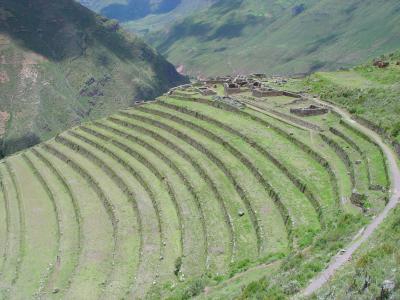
(394, 173)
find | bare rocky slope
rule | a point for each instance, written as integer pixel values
(61, 64)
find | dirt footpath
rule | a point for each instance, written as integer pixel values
(394, 175)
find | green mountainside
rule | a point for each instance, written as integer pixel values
(61, 64)
(146, 15)
(233, 187)
(196, 195)
(370, 93)
(280, 36)
(373, 272)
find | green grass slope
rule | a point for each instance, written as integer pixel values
(373, 268)
(181, 197)
(61, 64)
(370, 93)
(280, 36)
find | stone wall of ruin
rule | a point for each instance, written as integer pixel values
(307, 112)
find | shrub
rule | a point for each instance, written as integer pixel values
(262, 290)
(178, 265)
(194, 288)
(239, 266)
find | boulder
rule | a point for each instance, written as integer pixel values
(381, 64)
(357, 198)
(387, 289)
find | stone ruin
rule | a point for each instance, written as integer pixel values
(254, 85)
(231, 88)
(258, 75)
(266, 92)
(241, 80)
(229, 101)
(312, 110)
(205, 91)
(217, 80)
(139, 102)
(183, 87)
(358, 199)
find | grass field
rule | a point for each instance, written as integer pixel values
(278, 37)
(184, 197)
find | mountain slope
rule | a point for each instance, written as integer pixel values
(281, 36)
(62, 64)
(185, 195)
(146, 15)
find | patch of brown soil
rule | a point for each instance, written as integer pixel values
(32, 58)
(4, 77)
(4, 117)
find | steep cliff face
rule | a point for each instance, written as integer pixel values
(61, 64)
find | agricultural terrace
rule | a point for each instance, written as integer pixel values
(182, 194)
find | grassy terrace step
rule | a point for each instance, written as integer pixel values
(70, 243)
(361, 170)
(340, 164)
(357, 166)
(209, 135)
(97, 230)
(40, 246)
(167, 210)
(375, 158)
(289, 119)
(45, 281)
(192, 222)
(14, 247)
(300, 185)
(265, 217)
(210, 184)
(290, 200)
(135, 231)
(4, 225)
(276, 138)
(344, 156)
(316, 169)
(90, 173)
(190, 173)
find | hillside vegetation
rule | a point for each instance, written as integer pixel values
(186, 196)
(370, 93)
(373, 272)
(146, 15)
(244, 36)
(61, 64)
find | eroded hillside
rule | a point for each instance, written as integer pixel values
(61, 64)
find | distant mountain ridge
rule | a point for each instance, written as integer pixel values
(301, 36)
(61, 64)
(146, 15)
(136, 9)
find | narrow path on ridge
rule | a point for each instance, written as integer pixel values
(394, 173)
